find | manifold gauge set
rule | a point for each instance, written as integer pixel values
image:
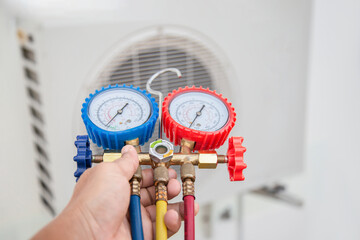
(198, 120)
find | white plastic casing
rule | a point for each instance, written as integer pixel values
(262, 45)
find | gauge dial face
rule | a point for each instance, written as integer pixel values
(200, 111)
(119, 109)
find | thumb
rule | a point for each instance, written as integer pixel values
(128, 162)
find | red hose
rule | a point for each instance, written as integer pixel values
(189, 217)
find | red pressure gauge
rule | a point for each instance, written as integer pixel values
(199, 115)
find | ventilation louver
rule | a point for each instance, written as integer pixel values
(32, 85)
(136, 64)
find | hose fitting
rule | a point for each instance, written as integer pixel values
(135, 182)
(161, 179)
(187, 172)
(137, 177)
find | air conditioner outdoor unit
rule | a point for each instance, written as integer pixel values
(254, 53)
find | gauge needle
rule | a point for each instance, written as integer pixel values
(198, 114)
(119, 112)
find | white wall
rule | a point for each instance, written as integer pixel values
(334, 121)
(13, 143)
(330, 187)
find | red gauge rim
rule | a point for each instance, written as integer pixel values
(224, 130)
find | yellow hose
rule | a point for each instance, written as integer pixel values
(161, 231)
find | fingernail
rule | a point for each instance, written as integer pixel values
(126, 149)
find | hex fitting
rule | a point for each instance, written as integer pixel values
(138, 173)
(161, 151)
(111, 156)
(207, 159)
(187, 170)
(161, 174)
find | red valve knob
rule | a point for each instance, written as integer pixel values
(204, 140)
(235, 155)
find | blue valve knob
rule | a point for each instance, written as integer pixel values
(84, 155)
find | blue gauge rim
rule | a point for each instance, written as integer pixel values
(151, 100)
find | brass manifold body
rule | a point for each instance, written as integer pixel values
(206, 160)
(186, 158)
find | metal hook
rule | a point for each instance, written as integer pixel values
(158, 93)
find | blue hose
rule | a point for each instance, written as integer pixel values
(135, 218)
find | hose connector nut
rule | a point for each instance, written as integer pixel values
(207, 159)
(138, 173)
(161, 151)
(187, 171)
(161, 175)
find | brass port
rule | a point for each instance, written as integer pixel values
(135, 144)
(110, 157)
(207, 160)
(186, 146)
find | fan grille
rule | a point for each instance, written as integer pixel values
(135, 65)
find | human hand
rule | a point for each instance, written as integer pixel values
(99, 206)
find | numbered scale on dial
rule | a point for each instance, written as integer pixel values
(117, 114)
(198, 115)
(119, 109)
(200, 111)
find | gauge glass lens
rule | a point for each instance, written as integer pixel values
(119, 109)
(200, 111)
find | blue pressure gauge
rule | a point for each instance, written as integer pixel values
(116, 114)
